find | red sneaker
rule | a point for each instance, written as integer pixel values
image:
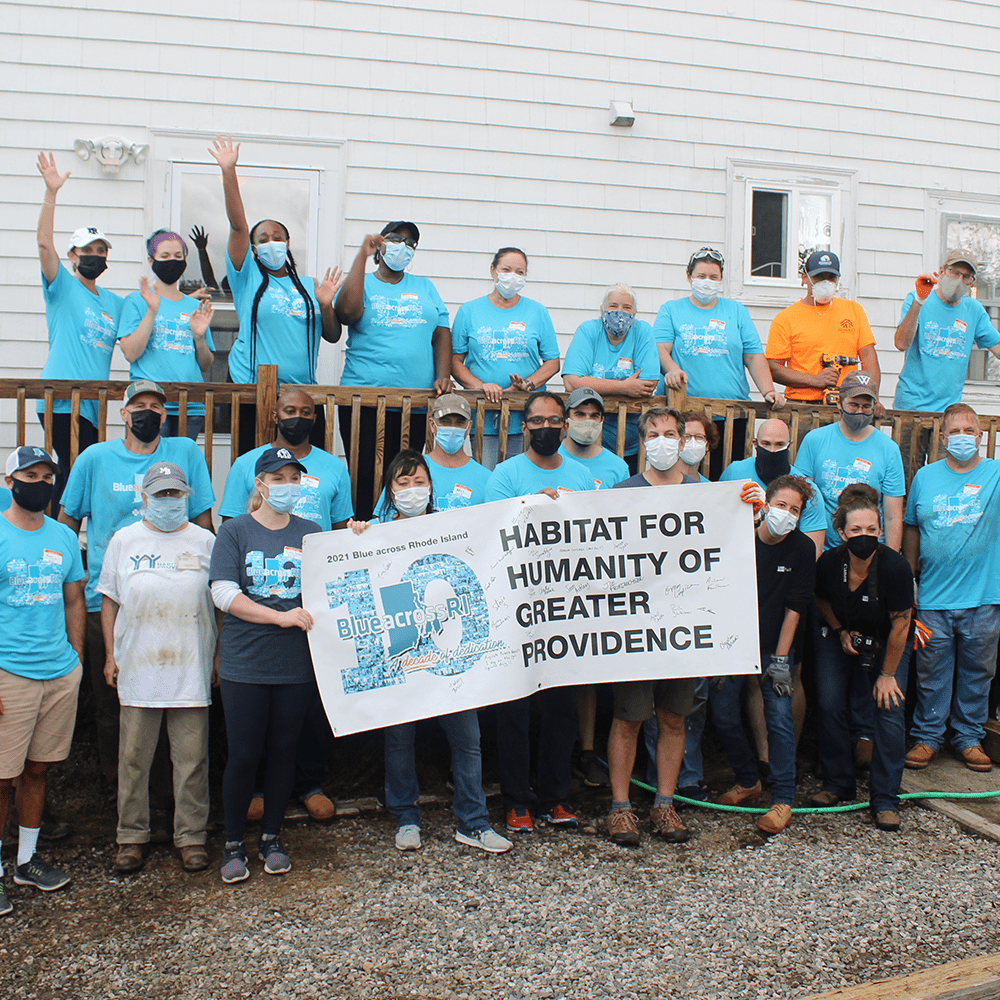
(519, 821)
(560, 817)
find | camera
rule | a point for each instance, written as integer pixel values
(867, 647)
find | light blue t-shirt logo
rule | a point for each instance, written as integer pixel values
(34, 583)
(961, 508)
(273, 576)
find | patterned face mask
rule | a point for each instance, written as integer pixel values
(617, 322)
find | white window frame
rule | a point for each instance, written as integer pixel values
(747, 176)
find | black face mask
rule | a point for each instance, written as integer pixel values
(863, 546)
(146, 425)
(771, 464)
(168, 271)
(545, 440)
(34, 496)
(295, 429)
(91, 266)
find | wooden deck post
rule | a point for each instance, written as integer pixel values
(267, 394)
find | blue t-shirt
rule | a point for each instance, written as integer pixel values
(497, 342)
(814, 517)
(936, 363)
(5, 500)
(591, 355)
(606, 467)
(520, 477)
(709, 345)
(170, 350)
(82, 332)
(453, 488)
(283, 337)
(832, 462)
(958, 514)
(105, 487)
(36, 564)
(392, 343)
(326, 487)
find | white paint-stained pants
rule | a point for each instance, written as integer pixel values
(187, 730)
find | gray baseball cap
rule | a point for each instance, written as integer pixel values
(164, 476)
(583, 395)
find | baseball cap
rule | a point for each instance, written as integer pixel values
(164, 476)
(822, 262)
(451, 402)
(394, 227)
(961, 257)
(143, 385)
(583, 395)
(858, 384)
(27, 456)
(276, 458)
(85, 235)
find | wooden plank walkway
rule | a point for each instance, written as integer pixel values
(971, 979)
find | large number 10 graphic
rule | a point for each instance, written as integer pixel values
(378, 667)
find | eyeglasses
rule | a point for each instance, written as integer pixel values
(953, 272)
(852, 407)
(396, 238)
(701, 438)
(542, 421)
(709, 253)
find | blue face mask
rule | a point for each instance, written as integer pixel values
(272, 255)
(397, 256)
(167, 513)
(282, 497)
(450, 439)
(617, 322)
(961, 446)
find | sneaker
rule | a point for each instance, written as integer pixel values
(975, 759)
(130, 858)
(560, 817)
(41, 875)
(697, 793)
(486, 840)
(593, 772)
(738, 795)
(776, 819)
(920, 756)
(272, 853)
(667, 824)
(623, 828)
(320, 807)
(519, 821)
(6, 906)
(234, 864)
(888, 820)
(408, 838)
(863, 754)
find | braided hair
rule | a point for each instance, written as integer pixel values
(312, 328)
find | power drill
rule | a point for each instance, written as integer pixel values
(831, 394)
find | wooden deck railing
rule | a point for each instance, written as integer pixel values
(904, 425)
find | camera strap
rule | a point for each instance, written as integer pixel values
(872, 585)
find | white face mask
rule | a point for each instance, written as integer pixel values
(584, 432)
(952, 289)
(705, 289)
(693, 452)
(510, 283)
(779, 521)
(824, 291)
(662, 452)
(412, 501)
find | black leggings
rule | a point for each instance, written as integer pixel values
(262, 720)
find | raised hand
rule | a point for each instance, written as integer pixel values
(47, 168)
(201, 317)
(225, 152)
(371, 243)
(149, 296)
(326, 290)
(199, 237)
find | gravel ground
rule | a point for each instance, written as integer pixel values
(830, 902)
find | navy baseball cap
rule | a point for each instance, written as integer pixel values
(26, 456)
(822, 262)
(277, 458)
(394, 227)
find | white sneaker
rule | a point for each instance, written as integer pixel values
(486, 840)
(408, 838)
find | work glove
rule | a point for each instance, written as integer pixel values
(754, 495)
(921, 633)
(925, 285)
(780, 673)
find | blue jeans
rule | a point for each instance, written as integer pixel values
(726, 708)
(693, 765)
(835, 673)
(402, 790)
(966, 639)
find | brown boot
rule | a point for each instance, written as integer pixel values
(919, 757)
(319, 807)
(776, 819)
(976, 760)
(256, 811)
(738, 795)
(863, 754)
(130, 858)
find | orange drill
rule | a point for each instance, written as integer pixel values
(831, 394)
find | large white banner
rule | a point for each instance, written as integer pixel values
(482, 605)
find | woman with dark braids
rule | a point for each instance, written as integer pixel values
(281, 319)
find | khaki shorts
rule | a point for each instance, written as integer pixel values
(37, 721)
(637, 701)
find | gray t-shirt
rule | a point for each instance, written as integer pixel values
(267, 565)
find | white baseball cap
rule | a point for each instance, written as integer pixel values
(85, 235)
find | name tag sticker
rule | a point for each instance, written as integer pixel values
(861, 465)
(292, 553)
(311, 481)
(463, 491)
(624, 362)
(188, 560)
(409, 296)
(51, 556)
(517, 325)
(961, 326)
(716, 324)
(971, 489)
(185, 317)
